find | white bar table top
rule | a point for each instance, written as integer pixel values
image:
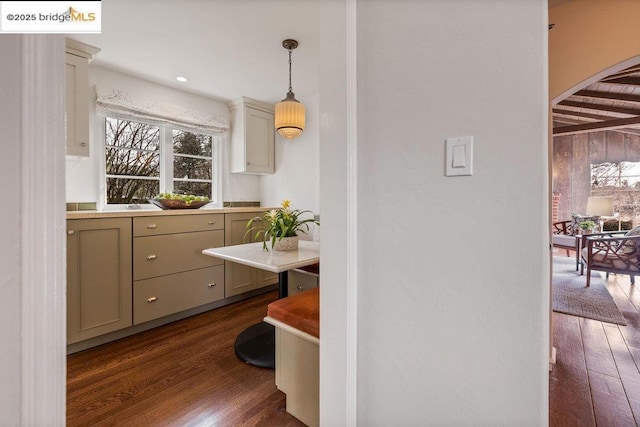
(253, 254)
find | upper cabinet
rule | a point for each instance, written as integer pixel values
(252, 136)
(77, 58)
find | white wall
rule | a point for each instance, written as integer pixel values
(83, 173)
(453, 299)
(10, 324)
(297, 176)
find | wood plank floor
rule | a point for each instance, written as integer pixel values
(184, 373)
(596, 379)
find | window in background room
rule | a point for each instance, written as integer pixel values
(621, 181)
(144, 160)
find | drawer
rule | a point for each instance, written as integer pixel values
(301, 280)
(162, 296)
(155, 225)
(173, 253)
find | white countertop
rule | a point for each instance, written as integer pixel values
(125, 213)
(253, 254)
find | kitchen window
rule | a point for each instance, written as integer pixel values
(143, 160)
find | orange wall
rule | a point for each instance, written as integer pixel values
(589, 37)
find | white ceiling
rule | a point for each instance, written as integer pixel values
(227, 48)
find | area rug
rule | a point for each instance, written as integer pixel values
(571, 296)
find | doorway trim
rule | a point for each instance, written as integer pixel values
(43, 269)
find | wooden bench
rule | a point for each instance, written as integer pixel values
(297, 322)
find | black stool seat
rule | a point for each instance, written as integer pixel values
(256, 345)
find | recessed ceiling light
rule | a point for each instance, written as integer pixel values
(182, 79)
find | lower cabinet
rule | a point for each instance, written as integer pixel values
(241, 278)
(98, 277)
(127, 271)
(170, 272)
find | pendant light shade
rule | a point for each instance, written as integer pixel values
(289, 113)
(289, 118)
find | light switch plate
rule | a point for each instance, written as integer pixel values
(459, 157)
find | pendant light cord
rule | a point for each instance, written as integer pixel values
(289, 70)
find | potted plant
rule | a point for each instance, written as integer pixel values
(587, 227)
(280, 227)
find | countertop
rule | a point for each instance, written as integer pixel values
(253, 255)
(128, 213)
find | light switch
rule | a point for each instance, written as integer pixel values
(459, 157)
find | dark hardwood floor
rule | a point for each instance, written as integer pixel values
(596, 378)
(184, 373)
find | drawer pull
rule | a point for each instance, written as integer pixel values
(70, 232)
(211, 285)
(300, 288)
(211, 222)
(152, 299)
(151, 226)
(152, 257)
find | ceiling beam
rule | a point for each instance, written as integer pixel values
(608, 95)
(628, 72)
(591, 106)
(557, 120)
(568, 120)
(632, 81)
(581, 114)
(597, 126)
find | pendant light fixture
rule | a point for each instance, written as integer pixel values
(289, 114)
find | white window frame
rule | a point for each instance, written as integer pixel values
(166, 166)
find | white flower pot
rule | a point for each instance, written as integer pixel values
(286, 244)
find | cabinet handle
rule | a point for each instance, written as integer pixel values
(211, 285)
(152, 257)
(300, 288)
(211, 222)
(151, 226)
(83, 144)
(70, 232)
(248, 163)
(152, 299)
(257, 219)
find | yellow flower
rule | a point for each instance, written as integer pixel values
(271, 215)
(286, 203)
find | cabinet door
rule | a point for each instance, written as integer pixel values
(77, 99)
(240, 278)
(98, 277)
(260, 141)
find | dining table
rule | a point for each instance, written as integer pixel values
(256, 344)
